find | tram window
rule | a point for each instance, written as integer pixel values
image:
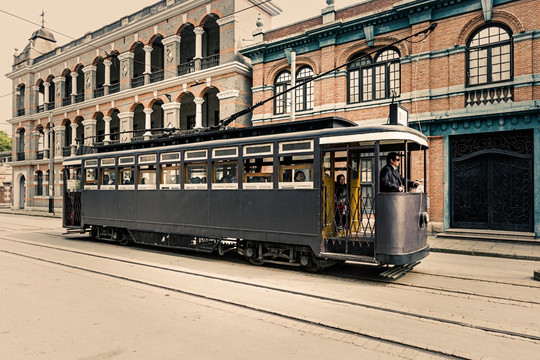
(147, 177)
(258, 173)
(107, 162)
(149, 158)
(195, 176)
(296, 146)
(170, 176)
(126, 160)
(170, 157)
(296, 172)
(225, 175)
(90, 179)
(108, 179)
(126, 178)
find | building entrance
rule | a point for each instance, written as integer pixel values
(492, 181)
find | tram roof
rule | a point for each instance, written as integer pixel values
(330, 130)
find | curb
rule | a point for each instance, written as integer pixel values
(487, 254)
(38, 214)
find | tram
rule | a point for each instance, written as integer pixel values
(267, 193)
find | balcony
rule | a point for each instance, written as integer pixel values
(40, 155)
(40, 108)
(137, 82)
(50, 106)
(186, 68)
(156, 76)
(99, 92)
(489, 95)
(114, 88)
(66, 101)
(20, 156)
(210, 61)
(79, 98)
(20, 112)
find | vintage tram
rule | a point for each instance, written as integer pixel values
(265, 192)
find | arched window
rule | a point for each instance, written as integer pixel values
(282, 104)
(489, 56)
(39, 183)
(304, 93)
(372, 80)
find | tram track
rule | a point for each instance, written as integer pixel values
(341, 302)
(405, 284)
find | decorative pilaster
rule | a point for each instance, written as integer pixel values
(171, 115)
(46, 143)
(328, 13)
(59, 140)
(89, 81)
(171, 46)
(90, 132)
(126, 69)
(228, 39)
(198, 112)
(126, 126)
(59, 88)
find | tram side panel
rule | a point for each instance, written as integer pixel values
(280, 216)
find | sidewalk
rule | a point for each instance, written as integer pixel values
(511, 250)
(6, 209)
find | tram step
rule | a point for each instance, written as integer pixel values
(339, 256)
(396, 272)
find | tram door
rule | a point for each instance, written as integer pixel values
(348, 218)
(72, 196)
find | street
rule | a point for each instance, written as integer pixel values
(72, 298)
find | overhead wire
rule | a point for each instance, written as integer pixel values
(108, 55)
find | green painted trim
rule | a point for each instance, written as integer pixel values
(446, 183)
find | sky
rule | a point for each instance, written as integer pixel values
(75, 22)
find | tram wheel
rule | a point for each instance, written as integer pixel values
(314, 265)
(255, 261)
(124, 239)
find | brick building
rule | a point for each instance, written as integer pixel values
(471, 86)
(174, 64)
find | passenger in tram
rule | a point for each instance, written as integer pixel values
(299, 176)
(391, 180)
(342, 200)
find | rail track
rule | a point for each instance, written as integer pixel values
(313, 297)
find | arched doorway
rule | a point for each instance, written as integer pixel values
(22, 192)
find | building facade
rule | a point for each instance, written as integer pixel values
(5, 177)
(172, 65)
(471, 86)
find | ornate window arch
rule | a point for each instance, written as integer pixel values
(374, 79)
(489, 55)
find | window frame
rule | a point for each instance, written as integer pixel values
(361, 91)
(489, 55)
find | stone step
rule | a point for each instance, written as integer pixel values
(489, 235)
